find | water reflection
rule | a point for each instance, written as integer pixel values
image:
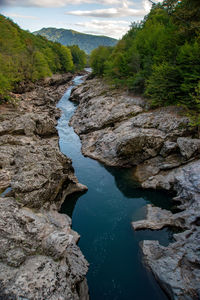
(125, 183)
(70, 203)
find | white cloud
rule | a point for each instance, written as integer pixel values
(108, 13)
(21, 16)
(60, 3)
(112, 28)
(147, 4)
(55, 3)
(119, 8)
(122, 11)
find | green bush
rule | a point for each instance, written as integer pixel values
(163, 85)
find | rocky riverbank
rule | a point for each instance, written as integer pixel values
(39, 258)
(119, 129)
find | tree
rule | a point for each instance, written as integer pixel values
(79, 57)
(41, 67)
(98, 58)
(65, 59)
(163, 85)
(4, 87)
(26, 57)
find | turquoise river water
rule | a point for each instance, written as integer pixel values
(103, 215)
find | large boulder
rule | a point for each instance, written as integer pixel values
(39, 258)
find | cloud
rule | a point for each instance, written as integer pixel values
(107, 13)
(21, 16)
(112, 28)
(55, 3)
(147, 4)
(60, 3)
(119, 8)
(122, 11)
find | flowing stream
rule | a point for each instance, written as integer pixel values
(103, 215)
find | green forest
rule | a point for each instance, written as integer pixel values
(25, 57)
(158, 57)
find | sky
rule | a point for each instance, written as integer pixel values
(101, 17)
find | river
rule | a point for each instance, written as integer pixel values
(103, 215)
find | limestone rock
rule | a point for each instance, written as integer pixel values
(188, 147)
(176, 267)
(39, 258)
(110, 106)
(4, 179)
(115, 129)
(168, 148)
(156, 218)
(119, 130)
(38, 252)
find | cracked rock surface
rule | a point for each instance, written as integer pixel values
(39, 258)
(119, 129)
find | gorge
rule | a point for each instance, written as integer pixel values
(100, 171)
(103, 218)
(119, 129)
(38, 246)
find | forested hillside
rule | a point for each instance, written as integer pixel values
(26, 57)
(67, 37)
(160, 57)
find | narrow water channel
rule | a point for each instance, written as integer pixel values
(103, 216)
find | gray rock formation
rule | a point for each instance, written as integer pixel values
(176, 267)
(116, 130)
(39, 258)
(119, 130)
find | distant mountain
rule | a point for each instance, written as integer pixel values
(68, 37)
